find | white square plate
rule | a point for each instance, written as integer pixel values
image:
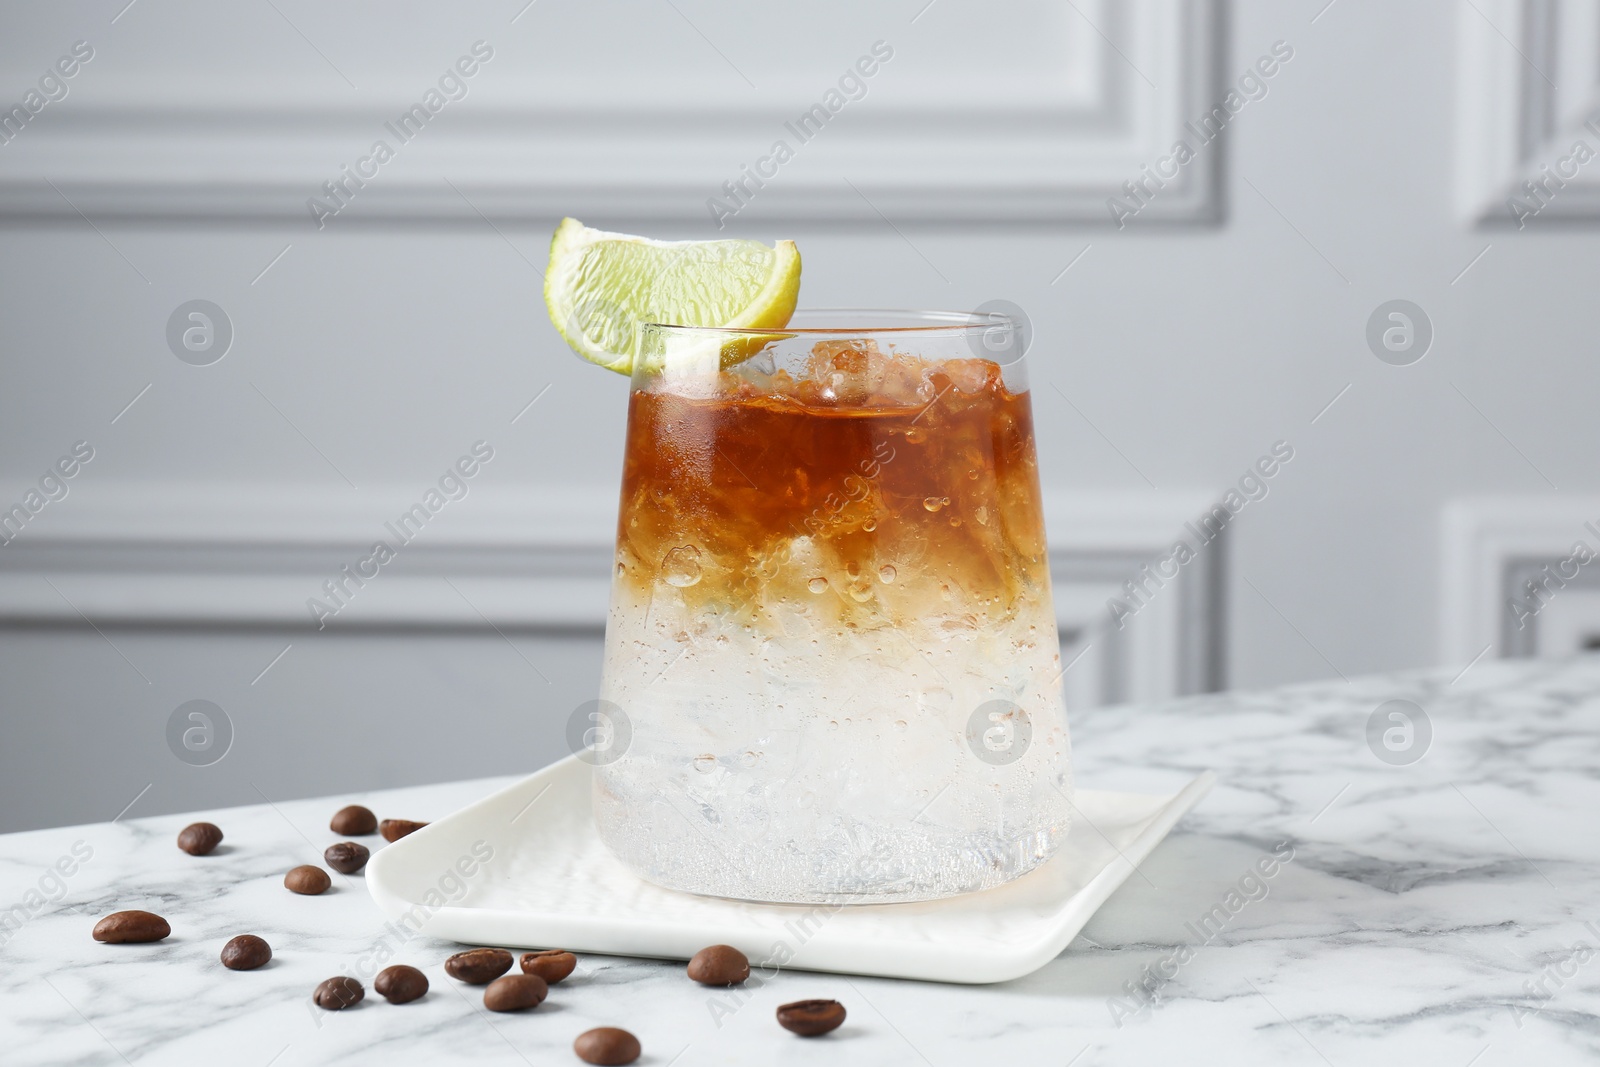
(548, 882)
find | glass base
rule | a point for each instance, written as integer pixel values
(844, 863)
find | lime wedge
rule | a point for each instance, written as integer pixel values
(601, 286)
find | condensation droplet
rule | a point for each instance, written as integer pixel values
(861, 592)
(852, 568)
(749, 759)
(833, 724)
(886, 573)
(972, 475)
(955, 520)
(916, 437)
(705, 764)
(681, 567)
(900, 724)
(982, 515)
(934, 503)
(944, 592)
(621, 570)
(870, 525)
(817, 585)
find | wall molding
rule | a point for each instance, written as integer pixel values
(1492, 546)
(182, 557)
(159, 155)
(1528, 79)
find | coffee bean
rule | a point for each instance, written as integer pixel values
(354, 821)
(395, 829)
(400, 984)
(245, 953)
(606, 1045)
(307, 880)
(337, 994)
(551, 964)
(478, 966)
(515, 992)
(719, 965)
(346, 857)
(811, 1018)
(130, 927)
(198, 839)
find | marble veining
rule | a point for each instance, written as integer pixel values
(1444, 912)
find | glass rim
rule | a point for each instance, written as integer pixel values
(910, 322)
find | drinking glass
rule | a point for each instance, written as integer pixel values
(832, 671)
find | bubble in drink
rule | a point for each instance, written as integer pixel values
(681, 567)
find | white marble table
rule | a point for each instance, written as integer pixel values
(1445, 912)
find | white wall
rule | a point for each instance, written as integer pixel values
(376, 350)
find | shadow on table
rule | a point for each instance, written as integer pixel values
(1195, 891)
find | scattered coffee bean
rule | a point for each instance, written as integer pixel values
(307, 880)
(515, 992)
(811, 1018)
(337, 994)
(478, 966)
(198, 839)
(129, 927)
(395, 829)
(551, 964)
(400, 984)
(346, 857)
(606, 1045)
(719, 965)
(245, 953)
(354, 821)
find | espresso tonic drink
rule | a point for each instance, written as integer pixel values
(832, 672)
